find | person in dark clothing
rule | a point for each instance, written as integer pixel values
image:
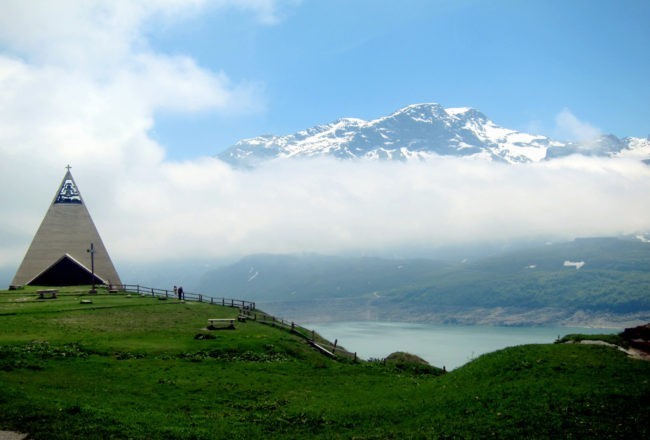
(180, 293)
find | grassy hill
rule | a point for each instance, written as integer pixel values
(133, 367)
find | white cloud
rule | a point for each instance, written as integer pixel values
(79, 85)
(570, 128)
(204, 209)
(92, 35)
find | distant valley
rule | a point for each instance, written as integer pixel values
(588, 281)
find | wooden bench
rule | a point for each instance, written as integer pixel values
(322, 349)
(47, 293)
(242, 318)
(222, 322)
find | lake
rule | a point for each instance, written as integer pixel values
(441, 345)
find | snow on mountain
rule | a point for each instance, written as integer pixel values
(605, 145)
(423, 132)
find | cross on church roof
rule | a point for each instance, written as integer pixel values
(68, 167)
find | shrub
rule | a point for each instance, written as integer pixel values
(411, 363)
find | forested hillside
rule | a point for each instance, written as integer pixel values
(591, 275)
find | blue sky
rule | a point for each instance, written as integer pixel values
(520, 62)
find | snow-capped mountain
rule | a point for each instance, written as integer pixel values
(605, 145)
(423, 131)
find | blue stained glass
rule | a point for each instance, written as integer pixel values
(68, 193)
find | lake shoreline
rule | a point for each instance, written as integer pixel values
(442, 345)
(337, 310)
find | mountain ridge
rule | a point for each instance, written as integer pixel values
(585, 280)
(423, 132)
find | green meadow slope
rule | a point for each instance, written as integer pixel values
(138, 367)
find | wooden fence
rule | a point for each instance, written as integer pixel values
(188, 296)
(247, 308)
(326, 347)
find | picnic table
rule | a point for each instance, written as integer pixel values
(47, 293)
(223, 322)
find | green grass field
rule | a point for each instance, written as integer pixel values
(131, 367)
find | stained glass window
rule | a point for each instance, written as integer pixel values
(68, 193)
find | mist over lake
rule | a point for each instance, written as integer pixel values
(450, 346)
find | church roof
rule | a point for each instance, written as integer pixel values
(59, 253)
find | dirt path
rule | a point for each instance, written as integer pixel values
(12, 435)
(631, 352)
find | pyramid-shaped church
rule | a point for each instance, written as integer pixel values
(60, 253)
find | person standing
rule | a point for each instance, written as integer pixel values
(180, 293)
(176, 292)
